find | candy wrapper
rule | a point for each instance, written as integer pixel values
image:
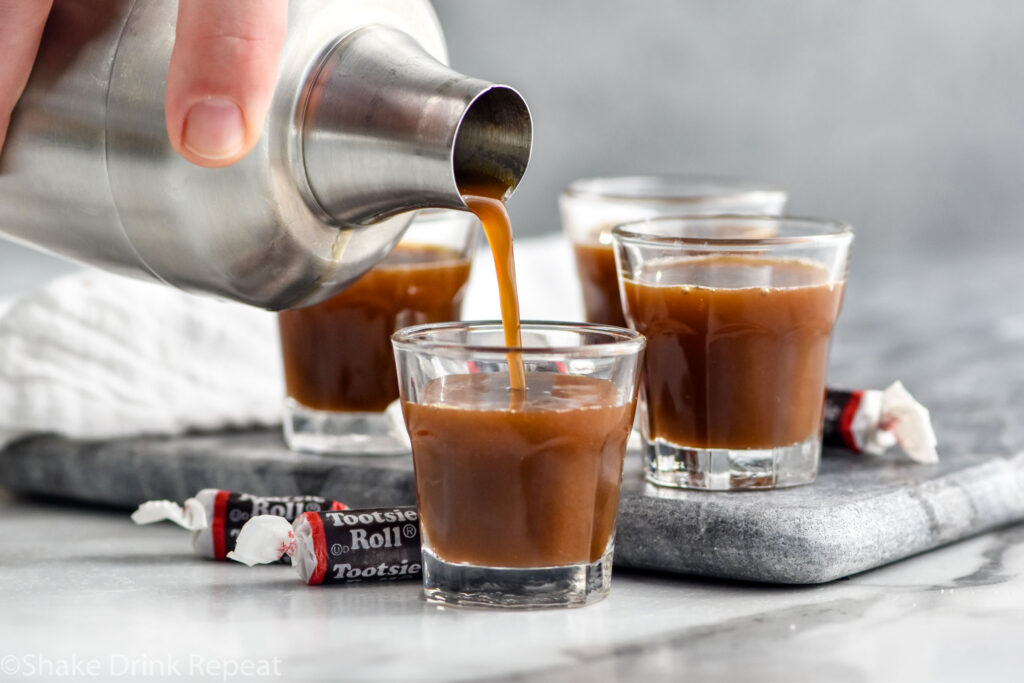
(215, 517)
(338, 546)
(873, 421)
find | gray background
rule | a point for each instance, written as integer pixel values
(903, 118)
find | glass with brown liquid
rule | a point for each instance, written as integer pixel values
(518, 434)
(591, 207)
(338, 361)
(518, 487)
(738, 332)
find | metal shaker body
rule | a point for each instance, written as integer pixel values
(362, 97)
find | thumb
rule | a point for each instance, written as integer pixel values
(21, 25)
(222, 75)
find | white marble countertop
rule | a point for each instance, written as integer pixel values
(84, 592)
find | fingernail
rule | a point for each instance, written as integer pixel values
(214, 128)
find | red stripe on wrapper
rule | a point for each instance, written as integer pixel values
(335, 505)
(319, 547)
(220, 504)
(846, 421)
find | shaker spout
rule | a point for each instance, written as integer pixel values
(386, 128)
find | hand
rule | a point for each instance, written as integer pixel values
(220, 81)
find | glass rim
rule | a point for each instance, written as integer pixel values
(623, 341)
(730, 187)
(829, 230)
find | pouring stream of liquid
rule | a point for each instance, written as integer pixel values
(486, 203)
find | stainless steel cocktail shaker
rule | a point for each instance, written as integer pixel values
(366, 124)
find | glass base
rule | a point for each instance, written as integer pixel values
(722, 469)
(319, 431)
(572, 585)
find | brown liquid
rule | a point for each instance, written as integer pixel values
(337, 354)
(532, 487)
(739, 363)
(486, 202)
(595, 264)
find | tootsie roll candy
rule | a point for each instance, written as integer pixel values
(872, 421)
(337, 546)
(215, 517)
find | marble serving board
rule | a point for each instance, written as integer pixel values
(862, 512)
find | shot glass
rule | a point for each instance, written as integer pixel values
(592, 207)
(338, 360)
(738, 312)
(518, 490)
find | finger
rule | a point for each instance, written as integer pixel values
(222, 75)
(21, 26)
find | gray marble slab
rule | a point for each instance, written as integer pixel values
(861, 513)
(952, 331)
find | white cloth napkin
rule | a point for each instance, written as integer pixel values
(94, 356)
(97, 356)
